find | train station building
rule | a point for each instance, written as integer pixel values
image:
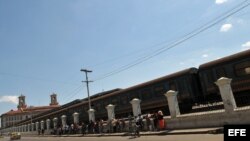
(24, 112)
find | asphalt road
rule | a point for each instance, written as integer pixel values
(195, 137)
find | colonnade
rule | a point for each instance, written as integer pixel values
(223, 84)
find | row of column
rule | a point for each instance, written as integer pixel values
(110, 110)
(223, 84)
(226, 93)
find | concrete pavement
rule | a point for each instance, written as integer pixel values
(158, 133)
(196, 137)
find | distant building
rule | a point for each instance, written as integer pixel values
(24, 112)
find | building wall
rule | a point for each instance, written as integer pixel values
(10, 120)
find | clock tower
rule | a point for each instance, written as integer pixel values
(21, 102)
(53, 99)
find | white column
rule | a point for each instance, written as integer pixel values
(63, 118)
(25, 128)
(76, 118)
(173, 103)
(32, 127)
(226, 93)
(42, 125)
(29, 127)
(55, 120)
(48, 124)
(136, 106)
(111, 111)
(91, 115)
(37, 126)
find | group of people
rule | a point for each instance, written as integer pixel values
(118, 125)
(82, 128)
(158, 122)
(40, 131)
(153, 122)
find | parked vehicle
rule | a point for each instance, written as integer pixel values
(15, 136)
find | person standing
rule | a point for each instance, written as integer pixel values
(137, 126)
(161, 120)
(148, 122)
(155, 120)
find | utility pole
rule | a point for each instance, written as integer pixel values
(87, 83)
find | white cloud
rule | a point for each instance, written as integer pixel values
(245, 46)
(220, 1)
(9, 99)
(226, 27)
(204, 56)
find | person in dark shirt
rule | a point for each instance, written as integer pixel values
(155, 119)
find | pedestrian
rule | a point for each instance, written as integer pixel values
(114, 125)
(130, 124)
(161, 120)
(123, 124)
(42, 131)
(101, 126)
(140, 120)
(155, 120)
(137, 126)
(83, 128)
(148, 122)
(39, 131)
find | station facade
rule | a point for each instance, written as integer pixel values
(24, 112)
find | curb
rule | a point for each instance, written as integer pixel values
(160, 133)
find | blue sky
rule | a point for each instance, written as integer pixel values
(45, 43)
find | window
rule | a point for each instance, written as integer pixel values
(114, 101)
(172, 85)
(220, 72)
(146, 94)
(159, 90)
(98, 106)
(134, 95)
(86, 107)
(124, 100)
(241, 69)
(106, 102)
(209, 77)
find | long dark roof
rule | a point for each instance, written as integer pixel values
(170, 76)
(226, 59)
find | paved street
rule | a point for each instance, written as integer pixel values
(195, 137)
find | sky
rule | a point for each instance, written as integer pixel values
(45, 43)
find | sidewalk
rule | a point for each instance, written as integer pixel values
(218, 130)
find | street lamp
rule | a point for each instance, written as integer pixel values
(87, 83)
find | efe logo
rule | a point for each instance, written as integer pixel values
(236, 132)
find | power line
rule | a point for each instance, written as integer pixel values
(73, 92)
(115, 59)
(163, 49)
(186, 37)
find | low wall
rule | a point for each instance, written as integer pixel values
(216, 118)
(209, 119)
